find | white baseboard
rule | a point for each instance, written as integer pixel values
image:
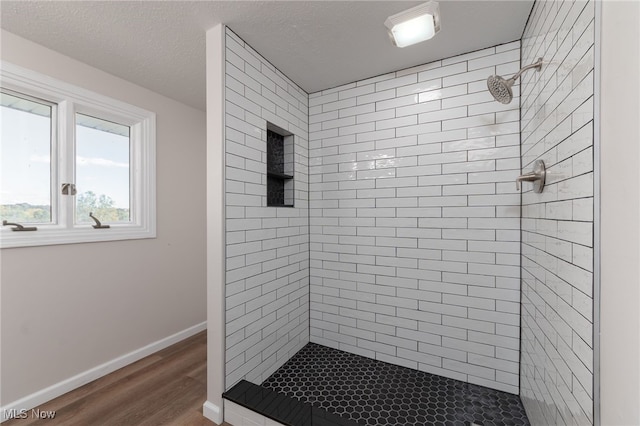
(60, 388)
(212, 412)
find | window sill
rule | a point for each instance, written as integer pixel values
(46, 237)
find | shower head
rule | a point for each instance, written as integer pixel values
(501, 88)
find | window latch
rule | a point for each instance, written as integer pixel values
(98, 224)
(68, 189)
(19, 227)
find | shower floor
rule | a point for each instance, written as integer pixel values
(372, 392)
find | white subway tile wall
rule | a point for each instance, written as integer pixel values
(557, 226)
(267, 251)
(415, 219)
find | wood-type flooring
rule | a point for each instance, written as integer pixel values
(165, 388)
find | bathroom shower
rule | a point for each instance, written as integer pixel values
(501, 88)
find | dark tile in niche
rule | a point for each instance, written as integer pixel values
(275, 191)
(372, 392)
(279, 169)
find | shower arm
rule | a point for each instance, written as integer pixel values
(537, 64)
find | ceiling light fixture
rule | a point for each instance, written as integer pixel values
(414, 25)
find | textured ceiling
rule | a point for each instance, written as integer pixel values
(318, 44)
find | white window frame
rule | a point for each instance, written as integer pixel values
(70, 100)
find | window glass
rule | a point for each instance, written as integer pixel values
(102, 170)
(25, 160)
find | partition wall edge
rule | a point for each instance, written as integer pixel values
(596, 213)
(597, 73)
(215, 60)
(620, 212)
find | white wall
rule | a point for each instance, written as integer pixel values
(267, 248)
(620, 214)
(415, 219)
(557, 106)
(69, 308)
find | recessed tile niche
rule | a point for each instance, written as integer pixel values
(279, 167)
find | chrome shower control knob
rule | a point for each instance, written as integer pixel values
(537, 176)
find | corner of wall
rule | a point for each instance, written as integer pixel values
(215, 58)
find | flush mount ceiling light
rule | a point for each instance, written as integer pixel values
(414, 25)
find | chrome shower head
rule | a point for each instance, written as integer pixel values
(501, 88)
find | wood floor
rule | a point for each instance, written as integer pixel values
(166, 388)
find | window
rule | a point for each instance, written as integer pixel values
(25, 144)
(69, 159)
(102, 170)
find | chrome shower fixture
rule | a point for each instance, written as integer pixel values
(501, 88)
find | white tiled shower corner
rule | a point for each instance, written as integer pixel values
(557, 225)
(406, 243)
(267, 248)
(415, 218)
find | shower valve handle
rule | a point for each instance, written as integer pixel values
(529, 177)
(537, 176)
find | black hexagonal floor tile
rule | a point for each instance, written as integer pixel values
(372, 392)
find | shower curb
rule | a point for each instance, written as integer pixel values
(282, 408)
